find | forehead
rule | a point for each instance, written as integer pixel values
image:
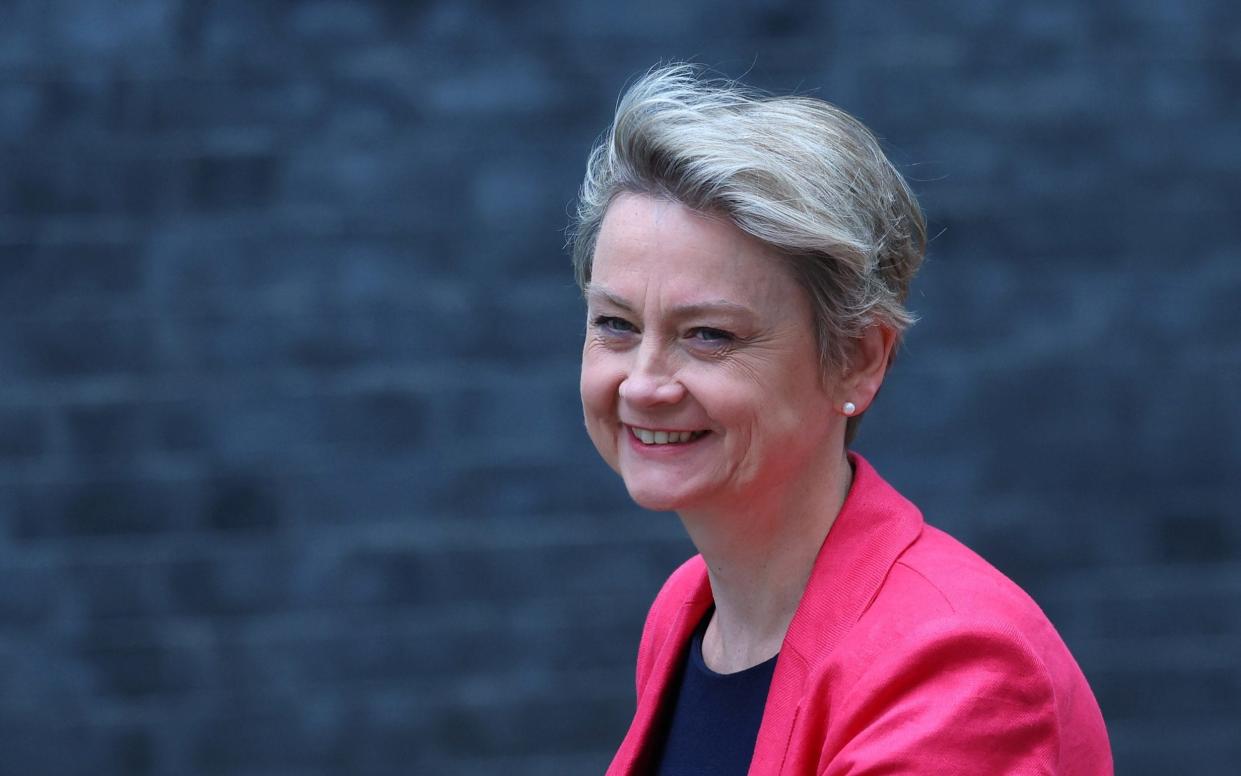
(650, 245)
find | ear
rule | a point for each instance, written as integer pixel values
(868, 364)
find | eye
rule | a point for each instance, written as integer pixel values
(711, 336)
(610, 324)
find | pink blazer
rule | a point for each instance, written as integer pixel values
(908, 654)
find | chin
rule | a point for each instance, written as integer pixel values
(660, 498)
(654, 502)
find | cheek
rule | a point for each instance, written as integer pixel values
(598, 388)
(729, 402)
(758, 416)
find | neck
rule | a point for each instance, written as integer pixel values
(759, 555)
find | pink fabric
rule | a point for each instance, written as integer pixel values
(908, 654)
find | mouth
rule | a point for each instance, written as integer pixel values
(655, 438)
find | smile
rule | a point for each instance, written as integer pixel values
(651, 437)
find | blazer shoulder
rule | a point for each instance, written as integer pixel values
(953, 694)
(948, 627)
(941, 598)
(946, 576)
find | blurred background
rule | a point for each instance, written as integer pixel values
(292, 473)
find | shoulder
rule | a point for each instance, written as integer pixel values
(965, 657)
(957, 654)
(950, 693)
(946, 581)
(942, 610)
(940, 593)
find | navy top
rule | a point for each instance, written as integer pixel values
(713, 719)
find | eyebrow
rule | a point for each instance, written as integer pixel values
(596, 294)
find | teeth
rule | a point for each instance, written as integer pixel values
(649, 437)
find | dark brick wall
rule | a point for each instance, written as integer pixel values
(292, 476)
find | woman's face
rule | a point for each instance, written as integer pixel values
(701, 383)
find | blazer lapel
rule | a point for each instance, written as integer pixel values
(634, 755)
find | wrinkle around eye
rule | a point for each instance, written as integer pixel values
(711, 342)
(598, 340)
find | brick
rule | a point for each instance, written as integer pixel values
(131, 434)
(101, 590)
(480, 730)
(20, 105)
(1151, 748)
(243, 503)
(360, 423)
(361, 492)
(256, 580)
(134, 671)
(249, 579)
(337, 22)
(521, 487)
(39, 673)
(103, 28)
(526, 410)
(30, 596)
(105, 507)
(325, 342)
(107, 432)
(403, 577)
(211, 269)
(23, 434)
(221, 109)
(1171, 694)
(40, 743)
(32, 349)
(70, 279)
(89, 180)
(241, 181)
(1202, 537)
(280, 735)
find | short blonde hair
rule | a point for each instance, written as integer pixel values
(798, 173)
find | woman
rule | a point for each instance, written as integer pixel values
(745, 261)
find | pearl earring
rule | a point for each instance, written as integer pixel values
(848, 408)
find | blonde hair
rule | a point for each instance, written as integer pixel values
(795, 172)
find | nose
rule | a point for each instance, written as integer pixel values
(650, 382)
